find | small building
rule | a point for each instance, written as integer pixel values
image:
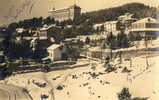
(20, 30)
(55, 52)
(22, 33)
(127, 19)
(97, 26)
(42, 33)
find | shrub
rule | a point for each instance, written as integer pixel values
(125, 95)
(137, 98)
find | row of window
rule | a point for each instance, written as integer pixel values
(145, 25)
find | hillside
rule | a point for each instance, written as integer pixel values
(138, 9)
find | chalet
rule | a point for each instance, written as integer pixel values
(145, 26)
(55, 52)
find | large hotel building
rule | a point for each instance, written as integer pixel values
(66, 13)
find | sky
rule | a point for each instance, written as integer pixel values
(15, 10)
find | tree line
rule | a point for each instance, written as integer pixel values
(138, 9)
(82, 25)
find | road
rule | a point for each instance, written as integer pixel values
(10, 92)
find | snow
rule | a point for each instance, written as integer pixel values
(80, 85)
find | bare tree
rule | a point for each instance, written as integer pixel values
(130, 62)
(120, 56)
(110, 40)
(137, 45)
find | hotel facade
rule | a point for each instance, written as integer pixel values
(66, 13)
(146, 26)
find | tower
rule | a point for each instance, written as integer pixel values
(75, 11)
(75, 2)
(51, 4)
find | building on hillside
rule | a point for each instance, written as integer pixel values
(22, 33)
(145, 26)
(42, 33)
(110, 26)
(20, 30)
(127, 20)
(66, 13)
(55, 52)
(126, 17)
(98, 26)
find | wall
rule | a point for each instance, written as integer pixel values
(65, 14)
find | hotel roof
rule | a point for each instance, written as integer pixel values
(147, 20)
(54, 46)
(60, 9)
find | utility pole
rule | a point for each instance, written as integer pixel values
(146, 46)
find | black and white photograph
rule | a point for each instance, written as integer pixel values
(79, 49)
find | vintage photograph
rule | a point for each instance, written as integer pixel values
(79, 50)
